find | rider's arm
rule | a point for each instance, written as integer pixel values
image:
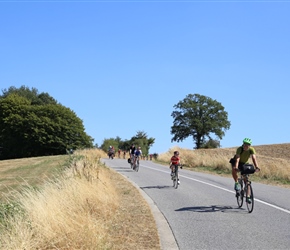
(237, 157)
(254, 159)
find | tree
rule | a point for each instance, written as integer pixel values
(110, 142)
(30, 94)
(140, 139)
(200, 117)
(35, 125)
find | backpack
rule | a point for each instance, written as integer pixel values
(233, 160)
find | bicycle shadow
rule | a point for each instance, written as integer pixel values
(122, 169)
(157, 187)
(212, 209)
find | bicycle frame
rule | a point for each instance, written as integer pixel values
(245, 191)
(135, 163)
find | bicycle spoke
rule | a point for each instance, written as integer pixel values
(250, 201)
(240, 194)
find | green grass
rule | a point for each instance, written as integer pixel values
(29, 172)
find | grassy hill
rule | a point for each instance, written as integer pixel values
(71, 202)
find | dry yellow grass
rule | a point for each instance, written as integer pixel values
(93, 207)
(88, 207)
(274, 161)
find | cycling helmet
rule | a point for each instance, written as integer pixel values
(110, 146)
(176, 152)
(247, 141)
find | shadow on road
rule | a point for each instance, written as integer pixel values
(211, 209)
(158, 187)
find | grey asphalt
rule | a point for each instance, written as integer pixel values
(203, 213)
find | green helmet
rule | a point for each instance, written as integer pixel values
(247, 140)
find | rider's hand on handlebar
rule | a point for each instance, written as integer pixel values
(257, 170)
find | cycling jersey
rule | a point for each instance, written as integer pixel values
(138, 152)
(245, 154)
(132, 150)
(175, 160)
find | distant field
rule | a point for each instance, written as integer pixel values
(274, 161)
(28, 172)
(281, 151)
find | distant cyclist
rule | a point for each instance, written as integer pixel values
(242, 156)
(138, 154)
(111, 151)
(132, 151)
(175, 160)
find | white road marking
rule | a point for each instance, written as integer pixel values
(227, 190)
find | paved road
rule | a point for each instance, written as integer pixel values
(203, 214)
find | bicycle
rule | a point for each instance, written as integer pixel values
(175, 176)
(136, 164)
(246, 191)
(131, 161)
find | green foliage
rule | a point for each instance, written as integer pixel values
(200, 117)
(29, 94)
(140, 139)
(35, 125)
(211, 144)
(109, 142)
(7, 211)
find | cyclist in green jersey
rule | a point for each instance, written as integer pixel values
(242, 156)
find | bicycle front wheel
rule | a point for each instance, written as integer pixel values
(175, 179)
(137, 166)
(250, 198)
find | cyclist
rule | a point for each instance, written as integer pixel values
(175, 160)
(111, 151)
(132, 151)
(242, 156)
(138, 154)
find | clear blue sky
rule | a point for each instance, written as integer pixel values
(121, 66)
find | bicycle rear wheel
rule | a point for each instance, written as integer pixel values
(240, 194)
(250, 203)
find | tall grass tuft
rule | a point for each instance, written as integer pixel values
(71, 212)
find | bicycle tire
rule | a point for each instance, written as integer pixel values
(175, 181)
(250, 206)
(240, 194)
(137, 166)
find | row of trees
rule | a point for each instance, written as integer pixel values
(140, 139)
(35, 124)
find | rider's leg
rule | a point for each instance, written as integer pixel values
(235, 177)
(171, 168)
(234, 174)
